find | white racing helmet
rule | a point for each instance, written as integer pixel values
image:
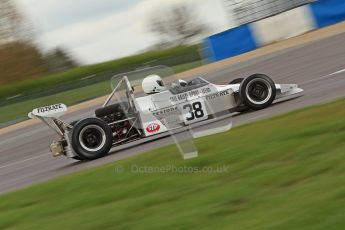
(153, 84)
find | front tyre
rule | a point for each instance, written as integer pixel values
(92, 138)
(258, 91)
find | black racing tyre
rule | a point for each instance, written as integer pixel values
(92, 138)
(258, 91)
(236, 81)
(111, 109)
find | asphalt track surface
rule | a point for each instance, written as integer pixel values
(318, 68)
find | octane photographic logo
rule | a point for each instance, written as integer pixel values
(153, 128)
(170, 169)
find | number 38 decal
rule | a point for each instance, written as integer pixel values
(194, 111)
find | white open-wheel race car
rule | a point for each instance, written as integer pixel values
(141, 105)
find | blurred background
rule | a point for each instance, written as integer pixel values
(282, 173)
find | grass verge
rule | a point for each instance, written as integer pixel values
(284, 173)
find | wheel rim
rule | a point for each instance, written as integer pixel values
(259, 91)
(92, 138)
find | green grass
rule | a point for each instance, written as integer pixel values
(70, 97)
(284, 173)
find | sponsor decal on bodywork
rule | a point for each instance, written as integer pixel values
(190, 95)
(49, 108)
(165, 111)
(203, 92)
(153, 128)
(218, 94)
(170, 116)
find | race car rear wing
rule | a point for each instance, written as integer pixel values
(49, 115)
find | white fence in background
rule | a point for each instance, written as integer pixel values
(282, 26)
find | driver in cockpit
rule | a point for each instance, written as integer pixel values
(153, 84)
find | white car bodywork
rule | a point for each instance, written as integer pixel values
(158, 113)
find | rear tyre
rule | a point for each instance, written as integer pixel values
(258, 91)
(92, 138)
(236, 81)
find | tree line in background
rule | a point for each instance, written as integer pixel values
(176, 26)
(20, 56)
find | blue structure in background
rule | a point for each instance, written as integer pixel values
(328, 12)
(230, 43)
(240, 40)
